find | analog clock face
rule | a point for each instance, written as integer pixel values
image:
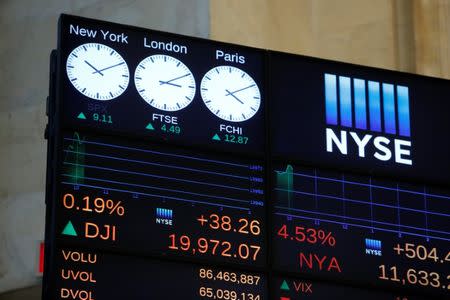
(97, 71)
(230, 93)
(165, 82)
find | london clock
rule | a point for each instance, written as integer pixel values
(164, 82)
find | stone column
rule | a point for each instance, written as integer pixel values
(432, 37)
(28, 34)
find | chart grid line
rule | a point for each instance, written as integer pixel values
(357, 225)
(158, 152)
(359, 201)
(156, 196)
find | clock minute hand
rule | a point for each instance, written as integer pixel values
(176, 78)
(169, 83)
(93, 67)
(232, 95)
(98, 71)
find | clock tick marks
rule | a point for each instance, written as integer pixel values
(229, 96)
(90, 85)
(176, 79)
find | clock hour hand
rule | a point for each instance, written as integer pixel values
(99, 71)
(231, 94)
(93, 68)
(176, 78)
(169, 83)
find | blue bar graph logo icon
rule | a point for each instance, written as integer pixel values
(367, 105)
(373, 247)
(164, 216)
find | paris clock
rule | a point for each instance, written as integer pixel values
(230, 93)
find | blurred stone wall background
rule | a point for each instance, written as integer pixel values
(406, 35)
(28, 34)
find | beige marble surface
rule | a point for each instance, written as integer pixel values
(28, 34)
(357, 31)
(405, 35)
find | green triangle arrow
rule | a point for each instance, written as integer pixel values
(81, 116)
(216, 137)
(69, 230)
(150, 127)
(284, 286)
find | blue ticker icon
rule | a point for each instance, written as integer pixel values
(373, 244)
(373, 247)
(164, 213)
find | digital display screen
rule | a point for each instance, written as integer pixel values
(138, 82)
(362, 229)
(373, 121)
(131, 197)
(95, 275)
(183, 168)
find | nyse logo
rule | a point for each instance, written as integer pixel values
(355, 106)
(373, 247)
(164, 216)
